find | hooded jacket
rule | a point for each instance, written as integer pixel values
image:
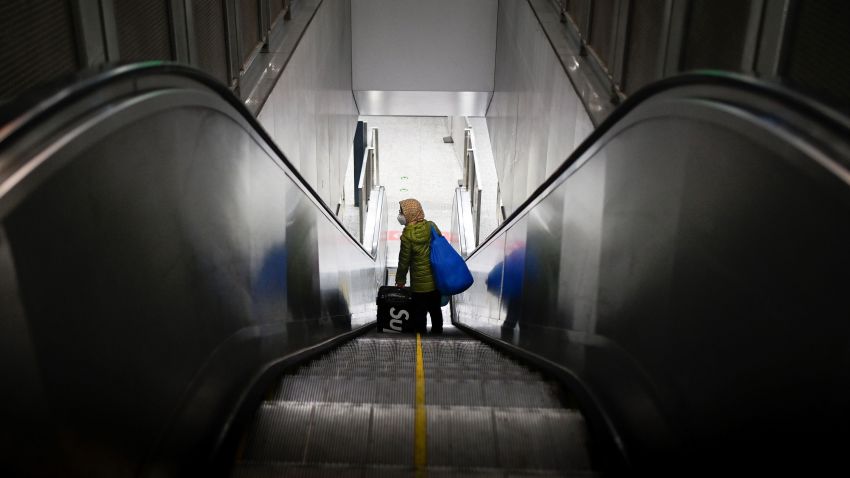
(415, 253)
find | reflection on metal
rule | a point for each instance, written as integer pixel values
(162, 248)
(369, 179)
(667, 260)
(422, 103)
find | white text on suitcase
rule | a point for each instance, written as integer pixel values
(402, 314)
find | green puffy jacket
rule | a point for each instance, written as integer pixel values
(415, 255)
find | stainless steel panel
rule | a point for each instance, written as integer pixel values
(688, 269)
(481, 302)
(422, 103)
(512, 269)
(162, 254)
(562, 124)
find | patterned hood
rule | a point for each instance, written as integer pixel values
(412, 211)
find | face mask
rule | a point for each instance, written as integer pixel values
(402, 220)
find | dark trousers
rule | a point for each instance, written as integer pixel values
(428, 302)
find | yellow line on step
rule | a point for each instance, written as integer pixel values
(420, 431)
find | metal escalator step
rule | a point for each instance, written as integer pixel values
(365, 371)
(339, 434)
(399, 391)
(492, 393)
(301, 389)
(328, 433)
(265, 470)
(453, 392)
(461, 437)
(467, 353)
(520, 394)
(387, 391)
(541, 439)
(257, 470)
(351, 413)
(280, 433)
(391, 440)
(471, 374)
(358, 390)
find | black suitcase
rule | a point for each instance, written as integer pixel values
(395, 310)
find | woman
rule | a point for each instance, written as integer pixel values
(415, 255)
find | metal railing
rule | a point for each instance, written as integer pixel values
(375, 238)
(470, 179)
(462, 235)
(369, 177)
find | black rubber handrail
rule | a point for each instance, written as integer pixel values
(35, 107)
(827, 117)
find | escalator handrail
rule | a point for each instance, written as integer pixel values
(827, 117)
(35, 107)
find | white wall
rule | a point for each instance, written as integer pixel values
(536, 119)
(416, 45)
(310, 113)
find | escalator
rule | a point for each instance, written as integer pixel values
(176, 300)
(353, 411)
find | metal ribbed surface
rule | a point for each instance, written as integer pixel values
(339, 434)
(645, 33)
(384, 390)
(602, 28)
(461, 436)
(280, 433)
(38, 44)
(249, 27)
(391, 442)
(209, 37)
(818, 49)
(578, 10)
(706, 45)
(352, 410)
(541, 439)
(144, 31)
(275, 7)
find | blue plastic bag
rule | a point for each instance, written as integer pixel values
(450, 271)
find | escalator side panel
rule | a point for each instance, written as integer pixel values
(689, 270)
(166, 258)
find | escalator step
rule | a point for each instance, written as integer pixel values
(280, 433)
(339, 434)
(391, 440)
(351, 412)
(461, 436)
(254, 470)
(348, 390)
(541, 439)
(492, 393)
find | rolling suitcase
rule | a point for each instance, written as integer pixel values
(395, 310)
